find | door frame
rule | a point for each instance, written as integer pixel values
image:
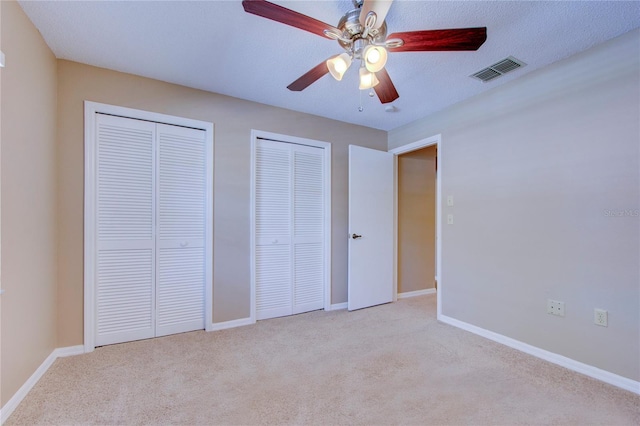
(90, 228)
(404, 149)
(326, 146)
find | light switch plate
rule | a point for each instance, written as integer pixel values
(449, 200)
(449, 219)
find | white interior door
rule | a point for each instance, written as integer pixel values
(180, 240)
(151, 220)
(289, 192)
(273, 205)
(125, 206)
(371, 204)
(308, 228)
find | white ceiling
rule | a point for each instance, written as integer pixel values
(216, 46)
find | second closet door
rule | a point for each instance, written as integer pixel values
(289, 218)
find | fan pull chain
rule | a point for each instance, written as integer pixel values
(360, 108)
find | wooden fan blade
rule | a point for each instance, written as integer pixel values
(310, 77)
(287, 16)
(385, 90)
(380, 7)
(440, 40)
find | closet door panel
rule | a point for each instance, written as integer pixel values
(180, 290)
(125, 275)
(273, 193)
(181, 229)
(273, 273)
(273, 281)
(308, 277)
(124, 296)
(308, 229)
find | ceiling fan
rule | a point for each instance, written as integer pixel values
(362, 33)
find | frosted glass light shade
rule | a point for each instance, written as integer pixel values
(367, 79)
(338, 65)
(375, 57)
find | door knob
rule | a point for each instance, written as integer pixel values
(356, 236)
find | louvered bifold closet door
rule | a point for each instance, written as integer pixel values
(125, 293)
(181, 230)
(308, 228)
(273, 229)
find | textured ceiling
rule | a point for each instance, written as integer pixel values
(216, 46)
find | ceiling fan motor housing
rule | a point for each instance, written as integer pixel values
(352, 30)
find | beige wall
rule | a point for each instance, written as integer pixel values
(536, 167)
(417, 220)
(29, 216)
(233, 120)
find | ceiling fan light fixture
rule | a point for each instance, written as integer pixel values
(367, 79)
(375, 57)
(338, 65)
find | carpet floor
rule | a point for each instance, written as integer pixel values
(391, 364)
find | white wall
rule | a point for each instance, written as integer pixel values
(536, 166)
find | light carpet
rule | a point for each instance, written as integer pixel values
(391, 364)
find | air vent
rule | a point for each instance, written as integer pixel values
(496, 70)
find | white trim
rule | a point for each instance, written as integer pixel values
(230, 324)
(395, 228)
(571, 364)
(413, 146)
(89, 223)
(338, 306)
(69, 351)
(208, 226)
(90, 110)
(17, 398)
(415, 293)
(326, 146)
(252, 230)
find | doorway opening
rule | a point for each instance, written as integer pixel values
(417, 217)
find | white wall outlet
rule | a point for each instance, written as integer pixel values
(449, 219)
(449, 200)
(555, 307)
(600, 317)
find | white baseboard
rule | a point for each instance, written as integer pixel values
(69, 351)
(338, 306)
(17, 398)
(230, 324)
(577, 366)
(416, 293)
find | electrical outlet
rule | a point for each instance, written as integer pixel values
(600, 317)
(555, 307)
